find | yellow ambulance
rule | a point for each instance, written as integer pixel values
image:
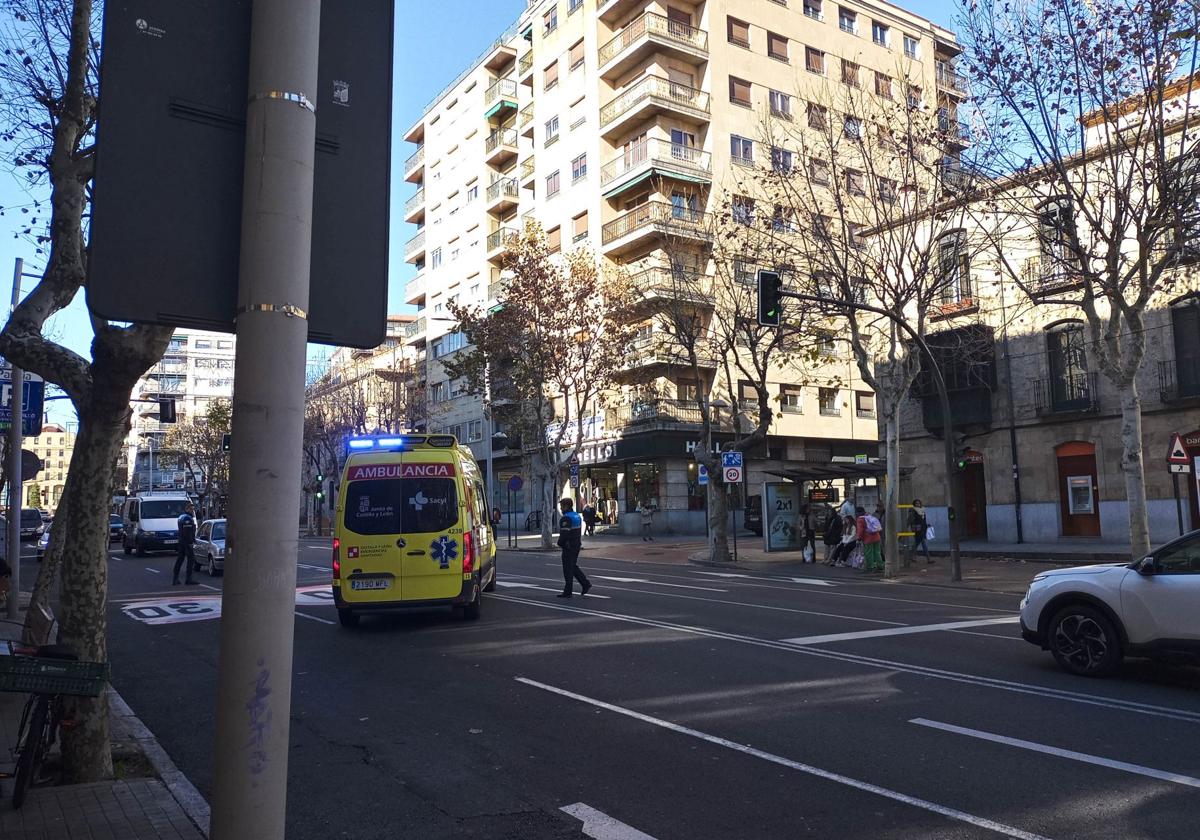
(411, 527)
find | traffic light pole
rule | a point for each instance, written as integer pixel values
(254, 682)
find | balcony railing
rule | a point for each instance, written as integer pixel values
(414, 328)
(666, 284)
(650, 152)
(1179, 381)
(501, 137)
(418, 198)
(501, 88)
(670, 218)
(658, 412)
(526, 115)
(499, 238)
(830, 411)
(527, 168)
(950, 125)
(955, 176)
(1045, 274)
(949, 78)
(414, 160)
(1064, 394)
(672, 94)
(656, 26)
(504, 187)
(416, 243)
(525, 64)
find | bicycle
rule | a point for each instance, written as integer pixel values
(47, 673)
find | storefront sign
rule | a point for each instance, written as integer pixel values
(782, 529)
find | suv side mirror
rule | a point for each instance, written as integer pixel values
(1145, 566)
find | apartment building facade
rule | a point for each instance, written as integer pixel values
(618, 125)
(53, 445)
(196, 369)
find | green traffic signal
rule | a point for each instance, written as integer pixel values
(770, 303)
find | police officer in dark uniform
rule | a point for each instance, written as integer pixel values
(570, 540)
(187, 539)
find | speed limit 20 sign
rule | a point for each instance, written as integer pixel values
(733, 475)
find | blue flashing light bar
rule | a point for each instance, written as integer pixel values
(394, 442)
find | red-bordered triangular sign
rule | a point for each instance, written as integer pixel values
(1177, 454)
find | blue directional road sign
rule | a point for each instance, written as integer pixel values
(33, 389)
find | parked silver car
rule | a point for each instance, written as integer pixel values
(210, 546)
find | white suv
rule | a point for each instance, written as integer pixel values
(1091, 616)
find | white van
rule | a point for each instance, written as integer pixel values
(152, 522)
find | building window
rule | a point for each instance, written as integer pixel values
(848, 20)
(954, 268)
(827, 398)
(552, 184)
(742, 209)
(472, 193)
(849, 73)
(887, 190)
(685, 207)
(826, 344)
(738, 32)
(475, 431)
(554, 240)
(781, 105)
(579, 168)
(814, 60)
(574, 6)
(551, 130)
(550, 20)
(439, 391)
(781, 161)
(203, 344)
(579, 225)
(879, 33)
(883, 85)
(1185, 324)
(550, 75)
(743, 272)
(777, 46)
(575, 55)
(781, 219)
(864, 404)
(812, 9)
(855, 184)
(791, 399)
(1066, 351)
(818, 171)
(911, 47)
(741, 149)
(739, 91)
(852, 127)
(818, 116)
(915, 100)
(435, 258)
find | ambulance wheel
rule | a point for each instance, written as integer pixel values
(347, 618)
(491, 587)
(471, 611)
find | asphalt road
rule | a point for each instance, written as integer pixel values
(683, 704)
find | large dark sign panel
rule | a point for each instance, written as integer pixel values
(166, 223)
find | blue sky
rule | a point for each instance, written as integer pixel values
(434, 42)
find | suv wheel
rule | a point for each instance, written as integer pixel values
(1084, 641)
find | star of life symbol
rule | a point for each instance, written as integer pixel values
(443, 550)
(419, 501)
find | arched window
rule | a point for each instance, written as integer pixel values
(1066, 352)
(954, 267)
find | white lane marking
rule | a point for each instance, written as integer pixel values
(314, 618)
(656, 583)
(828, 775)
(807, 581)
(1129, 706)
(897, 631)
(512, 584)
(825, 594)
(213, 588)
(601, 826)
(1061, 753)
(155, 571)
(317, 568)
(740, 604)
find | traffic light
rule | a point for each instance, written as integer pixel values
(226, 442)
(770, 304)
(166, 410)
(962, 462)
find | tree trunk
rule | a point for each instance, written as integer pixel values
(718, 519)
(549, 484)
(1133, 468)
(51, 561)
(891, 545)
(84, 593)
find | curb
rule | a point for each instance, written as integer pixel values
(180, 787)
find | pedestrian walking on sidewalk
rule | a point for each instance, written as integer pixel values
(918, 523)
(570, 540)
(869, 530)
(187, 540)
(647, 512)
(589, 518)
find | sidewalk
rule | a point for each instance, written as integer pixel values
(133, 808)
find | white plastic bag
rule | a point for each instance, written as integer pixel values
(929, 535)
(808, 554)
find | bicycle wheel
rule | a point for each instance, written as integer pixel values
(32, 750)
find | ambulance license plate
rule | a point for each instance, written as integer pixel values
(370, 583)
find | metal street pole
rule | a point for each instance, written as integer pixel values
(254, 681)
(16, 414)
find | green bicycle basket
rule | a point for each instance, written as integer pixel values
(33, 675)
